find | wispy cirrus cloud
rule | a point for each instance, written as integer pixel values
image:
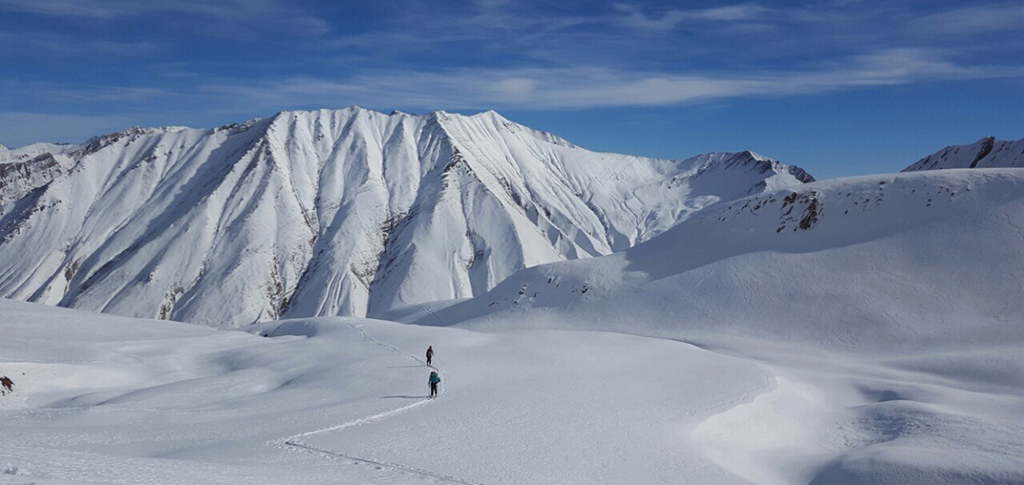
(62, 45)
(982, 18)
(278, 15)
(579, 87)
(136, 8)
(635, 17)
(203, 62)
(73, 8)
(533, 88)
(81, 93)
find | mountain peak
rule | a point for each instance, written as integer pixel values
(753, 156)
(328, 216)
(756, 163)
(491, 114)
(987, 152)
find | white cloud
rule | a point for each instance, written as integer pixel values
(60, 93)
(636, 18)
(279, 16)
(973, 19)
(588, 87)
(58, 44)
(69, 8)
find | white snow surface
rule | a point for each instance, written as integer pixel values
(103, 399)
(330, 212)
(853, 331)
(877, 262)
(886, 307)
(985, 153)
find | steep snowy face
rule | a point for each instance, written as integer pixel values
(985, 153)
(915, 260)
(331, 212)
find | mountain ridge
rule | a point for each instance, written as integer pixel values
(331, 212)
(810, 255)
(987, 152)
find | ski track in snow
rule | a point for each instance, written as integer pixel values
(294, 442)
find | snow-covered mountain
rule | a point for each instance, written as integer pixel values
(331, 212)
(985, 153)
(885, 261)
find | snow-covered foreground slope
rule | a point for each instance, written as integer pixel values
(985, 153)
(343, 212)
(102, 399)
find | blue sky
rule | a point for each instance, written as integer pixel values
(840, 87)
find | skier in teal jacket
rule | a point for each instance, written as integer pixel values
(434, 381)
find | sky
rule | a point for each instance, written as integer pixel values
(839, 87)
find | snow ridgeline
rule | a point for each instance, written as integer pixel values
(331, 212)
(885, 261)
(985, 153)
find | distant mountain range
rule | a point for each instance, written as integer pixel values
(331, 212)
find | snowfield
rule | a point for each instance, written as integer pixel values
(102, 399)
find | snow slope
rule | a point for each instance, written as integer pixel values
(331, 212)
(881, 262)
(886, 309)
(985, 153)
(103, 399)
